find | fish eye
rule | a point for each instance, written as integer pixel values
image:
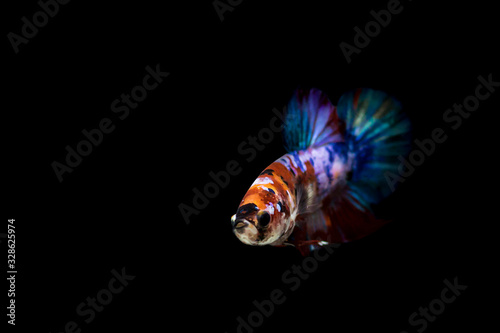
(264, 218)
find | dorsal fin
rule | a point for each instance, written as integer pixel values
(310, 120)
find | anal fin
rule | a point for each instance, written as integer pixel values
(348, 219)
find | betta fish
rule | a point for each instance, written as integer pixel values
(324, 189)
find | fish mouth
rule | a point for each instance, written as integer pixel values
(246, 232)
(241, 225)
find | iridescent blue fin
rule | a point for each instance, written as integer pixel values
(373, 132)
(310, 120)
(376, 133)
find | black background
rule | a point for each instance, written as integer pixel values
(119, 207)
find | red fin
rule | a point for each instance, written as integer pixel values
(346, 222)
(339, 220)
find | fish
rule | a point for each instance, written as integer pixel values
(324, 189)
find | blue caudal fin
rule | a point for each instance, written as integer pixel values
(373, 132)
(376, 133)
(310, 120)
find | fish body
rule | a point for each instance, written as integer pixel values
(322, 190)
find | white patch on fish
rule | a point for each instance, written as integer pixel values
(270, 208)
(265, 180)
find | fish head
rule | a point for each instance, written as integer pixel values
(261, 219)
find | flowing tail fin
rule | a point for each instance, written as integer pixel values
(376, 133)
(370, 126)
